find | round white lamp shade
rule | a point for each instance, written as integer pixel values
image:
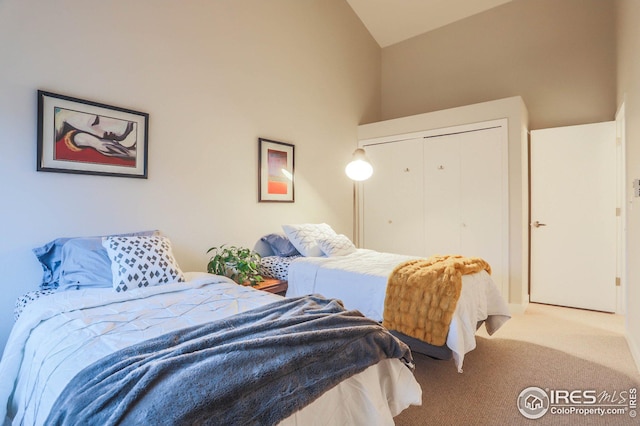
(359, 168)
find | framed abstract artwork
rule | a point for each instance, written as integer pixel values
(79, 136)
(275, 171)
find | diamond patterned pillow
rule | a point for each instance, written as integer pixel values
(340, 245)
(304, 237)
(141, 262)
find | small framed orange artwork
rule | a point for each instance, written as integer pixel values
(275, 171)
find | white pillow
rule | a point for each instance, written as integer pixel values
(304, 237)
(340, 245)
(141, 261)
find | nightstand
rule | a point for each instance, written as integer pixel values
(272, 285)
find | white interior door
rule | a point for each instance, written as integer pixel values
(573, 201)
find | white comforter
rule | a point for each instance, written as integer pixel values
(360, 281)
(59, 335)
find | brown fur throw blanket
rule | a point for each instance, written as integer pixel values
(422, 295)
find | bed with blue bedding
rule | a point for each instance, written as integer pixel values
(197, 348)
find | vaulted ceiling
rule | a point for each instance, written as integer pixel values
(392, 21)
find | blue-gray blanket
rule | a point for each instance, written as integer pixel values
(254, 368)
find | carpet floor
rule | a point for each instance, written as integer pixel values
(555, 349)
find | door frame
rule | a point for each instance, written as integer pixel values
(621, 187)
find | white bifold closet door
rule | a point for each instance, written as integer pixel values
(464, 197)
(442, 194)
(393, 208)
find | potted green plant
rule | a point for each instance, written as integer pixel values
(238, 263)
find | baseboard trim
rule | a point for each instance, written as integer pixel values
(518, 308)
(634, 348)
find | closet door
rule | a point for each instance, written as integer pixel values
(392, 198)
(442, 182)
(464, 201)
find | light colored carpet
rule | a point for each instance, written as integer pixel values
(550, 347)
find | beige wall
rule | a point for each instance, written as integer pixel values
(558, 55)
(214, 76)
(628, 15)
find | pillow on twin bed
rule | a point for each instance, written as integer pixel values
(304, 237)
(141, 261)
(50, 257)
(340, 245)
(276, 266)
(280, 245)
(85, 263)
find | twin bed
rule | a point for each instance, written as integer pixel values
(316, 260)
(118, 333)
(189, 348)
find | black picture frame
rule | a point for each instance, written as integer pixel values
(276, 170)
(85, 137)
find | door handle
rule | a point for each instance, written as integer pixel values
(537, 224)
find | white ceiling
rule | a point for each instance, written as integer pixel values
(392, 21)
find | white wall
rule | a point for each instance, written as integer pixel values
(214, 76)
(628, 15)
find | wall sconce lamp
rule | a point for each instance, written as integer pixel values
(359, 168)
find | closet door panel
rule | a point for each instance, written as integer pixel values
(392, 209)
(442, 196)
(481, 197)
